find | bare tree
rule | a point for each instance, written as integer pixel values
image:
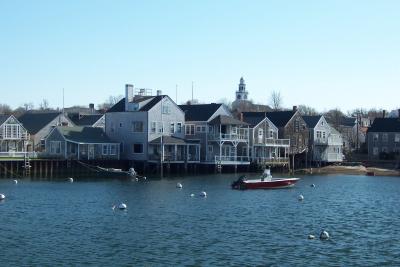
(111, 101)
(334, 117)
(28, 106)
(44, 105)
(307, 110)
(276, 100)
(5, 109)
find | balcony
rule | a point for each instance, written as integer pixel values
(16, 154)
(8, 136)
(241, 137)
(277, 142)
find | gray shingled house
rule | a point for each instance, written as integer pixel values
(80, 143)
(384, 138)
(325, 142)
(13, 137)
(150, 128)
(39, 125)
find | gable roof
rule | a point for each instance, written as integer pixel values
(84, 120)
(199, 112)
(3, 118)
(280, 118)
(312, 121)
(34, 122)
(385, 125)
(348, 121)
(80, 134)
(254, 118)
(120, 106)
(227, 120)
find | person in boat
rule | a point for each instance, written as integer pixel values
(132, 172)
(266, 175)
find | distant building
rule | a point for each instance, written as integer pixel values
(384, 138)
(242, 102)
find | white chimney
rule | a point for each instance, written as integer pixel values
(128, 95)
(159, 92)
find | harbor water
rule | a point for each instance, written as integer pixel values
(51, 223)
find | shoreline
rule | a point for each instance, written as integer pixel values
(352, 170)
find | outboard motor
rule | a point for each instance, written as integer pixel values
(237, 184)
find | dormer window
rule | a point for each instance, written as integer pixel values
(135, 106)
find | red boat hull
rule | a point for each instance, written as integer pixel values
(259, 184)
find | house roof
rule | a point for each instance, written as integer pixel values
(227, 120)
(34, 122)
(254, 118)
(80, 134)
(199, 112)
(120, 106)
(312, 121)
(385, 125)
(348, 121)
(171, 140)
(280, 118)
(84, 120)
(3, 118)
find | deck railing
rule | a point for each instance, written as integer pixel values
(277, 142)
(23, 136)
(267, 160)
(232, 159)
(16, 154)
(228, 137)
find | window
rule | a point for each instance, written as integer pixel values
(385, 137)
(210, 149)
(55, 147)
(113, 149)
(260, 135)
(137, 148)
(271, 134)
(172, 128)
(120, 125)
(375, 151)
(210, 129)
(166, 109)
(189, 129)
(234, 130)
(201, 129)
(12, 131)
(318, 134)
(179, 127)
(296, 126)
(375, 137)
(105, 149)
(198, 129)
(137, 126)
(153, 127)
(397, 138)
(323, 135)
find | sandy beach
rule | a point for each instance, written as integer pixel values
(360, 170)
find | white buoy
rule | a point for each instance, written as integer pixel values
(301, 198)
(136, 179)
(2, 196)
(192, 195)
(70, 179)
(311, 236)
(122, 206)
(312, 185)
(15, 181)
(179, 185)
(113, 207)
(203, 194)
(324, 235)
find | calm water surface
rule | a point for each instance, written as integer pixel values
(58, 223)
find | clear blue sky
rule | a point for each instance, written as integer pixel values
(325, 54)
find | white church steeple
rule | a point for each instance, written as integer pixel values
(241, 94)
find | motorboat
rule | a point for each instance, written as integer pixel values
(264, 182)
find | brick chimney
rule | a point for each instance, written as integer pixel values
(91, 108)
(294, 108)
(383, 113)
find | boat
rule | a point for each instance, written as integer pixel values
(113, 172)
(264, 182)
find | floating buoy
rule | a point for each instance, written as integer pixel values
(144, 177)
(113, 207)
(312, 185)
(122, 206)
(324, 235)
(300, 198)
(15, 181)
(203, 194)
(70, 179)
(2, 196)
(192, 195)
(178, 185)
(311, 236)
(136, 179)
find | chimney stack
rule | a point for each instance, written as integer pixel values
(159, 92)
(91, 108)
(128, 95)
(294, 108)
(383, 113)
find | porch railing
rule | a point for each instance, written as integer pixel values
(228, 137)
(277, 142)
(23, 136)
(16, 154)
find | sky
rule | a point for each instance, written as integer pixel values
(324, 54)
